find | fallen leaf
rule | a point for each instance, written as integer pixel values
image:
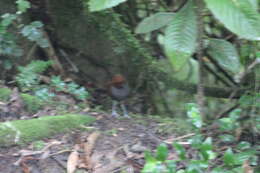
(247, 168)
(88, 148)
(25, 168)
(73, 160)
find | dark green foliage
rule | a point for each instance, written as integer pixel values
(204, 153)
(28, 78)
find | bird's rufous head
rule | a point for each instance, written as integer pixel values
(118, 78)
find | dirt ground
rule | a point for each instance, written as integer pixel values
(110, 145)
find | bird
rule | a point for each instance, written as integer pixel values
(119, 91)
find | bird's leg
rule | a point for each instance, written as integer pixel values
(122, 105)
(114, 113)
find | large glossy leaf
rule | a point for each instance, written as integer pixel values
(181, 35)
(254, 4)
(154, 22)
(189, 72)
(98, 5)
(225, 54)
(239, 16)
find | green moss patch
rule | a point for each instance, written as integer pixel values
(23, 131)
(5, 94)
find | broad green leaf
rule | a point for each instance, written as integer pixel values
(197, 166)
(171, 166)
(238, 16)
(154, 22)
(194, 116)
(162, 152)
(180, 150)
(23, 5)
(229, 157)
(180, 36)
(7, 19)
(254, 4)
(225, 54)
(151, 163)
(218, 170)
(98, 5)
(227, 138)
(207, 144)
(243, 156)
(243, 145)
(189, 72)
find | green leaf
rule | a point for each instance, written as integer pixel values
(171, 166)
(238, 16)
(194, 116)
(243, 145)
(227, 138)
(254, 4)
(197, 166)
(189, 72)
(207, 144)
(181, 35)
(243, 156)
(218, 170)
(7, 19)
(162, 152)
(180, 150)
(98, 5)
(229, 157)
(23, 5)
(151, 163)
(154, 22)
(225, 54)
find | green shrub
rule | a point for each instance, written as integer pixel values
(204, 155)
(28, 76)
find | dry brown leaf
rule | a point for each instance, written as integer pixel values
(247, 168)
(88, 148)
(25, 168)
(73, 160)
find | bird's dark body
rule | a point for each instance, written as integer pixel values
(120, 93)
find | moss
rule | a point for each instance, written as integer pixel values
(32, 103)
(5, 94)
(23, 131)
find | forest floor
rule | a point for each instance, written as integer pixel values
(110, 145)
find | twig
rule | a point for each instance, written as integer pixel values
(50, 51)
(242, 75)
(31, 52)
(74, 67)
(60, 152)
(180, 137)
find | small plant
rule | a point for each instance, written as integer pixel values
(44, 94)
(72, 88)
(28, 78)
(204, 155)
